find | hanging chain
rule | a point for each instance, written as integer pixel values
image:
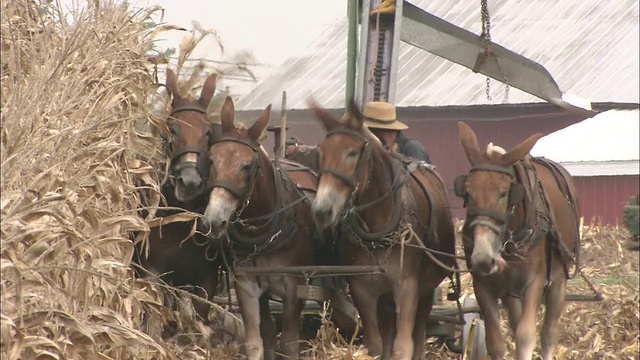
(488, 50)
(486, 35)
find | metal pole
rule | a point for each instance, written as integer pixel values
(361, 67)
(283, 125)
(352, 50)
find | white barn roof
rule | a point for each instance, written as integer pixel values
(607, 144)
(589, 46)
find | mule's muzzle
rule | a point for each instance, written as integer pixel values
(213, 225)
(203, 226)
(484, 266)
(323, 216)
(189, 184)
(488, 265)
(213, 230)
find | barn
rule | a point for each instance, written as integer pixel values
(602, 155)
(432, 94)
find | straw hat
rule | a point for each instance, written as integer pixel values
(382, 115)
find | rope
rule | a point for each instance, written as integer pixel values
(428, 251)
(405, 235)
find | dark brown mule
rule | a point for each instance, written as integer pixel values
(520, 233)
(269, 225)
(386, 211)
(178, 262)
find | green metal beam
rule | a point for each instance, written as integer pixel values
(441, 38)
(352, 50)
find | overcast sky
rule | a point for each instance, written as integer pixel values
(273, 30)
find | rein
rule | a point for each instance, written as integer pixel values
(351, 214)
(276, 218)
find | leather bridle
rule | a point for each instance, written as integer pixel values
(202, 164)
(477, 214)
(242, 193)
(350, 180)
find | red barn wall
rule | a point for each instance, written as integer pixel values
(602, 198)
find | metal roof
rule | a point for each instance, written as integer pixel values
(590, 47)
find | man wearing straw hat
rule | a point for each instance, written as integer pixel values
(380, 118)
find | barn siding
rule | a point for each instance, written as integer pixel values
(602, 198)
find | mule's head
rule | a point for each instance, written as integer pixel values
(191, 135)
(490, 191)
(343, 163)
(235, 161)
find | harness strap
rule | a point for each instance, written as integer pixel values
(494, 168)
(185, 150)
(196, 108)
(350, 181)
(234, 190)
(433, 223)
(281, 219)
(476, 211)
(561, 179)
(355, 221)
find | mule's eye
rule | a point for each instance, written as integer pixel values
(246, 167)
(173, 131)
(351, 153)
(503, 194)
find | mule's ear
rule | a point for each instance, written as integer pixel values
(469, 143)
(520, 151)
(208, 90)
(355, 118)
(256, 130)
(227, 115)
(323, 115)
(172, 85)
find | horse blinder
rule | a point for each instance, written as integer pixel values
(516, 194)
(458, 186)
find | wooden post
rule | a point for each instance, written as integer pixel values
(283, 126)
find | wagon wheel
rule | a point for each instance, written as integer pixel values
(473, 333)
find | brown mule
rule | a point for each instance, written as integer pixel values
(178, 262)
(386, 212)
(268, 221)
(520, 233)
